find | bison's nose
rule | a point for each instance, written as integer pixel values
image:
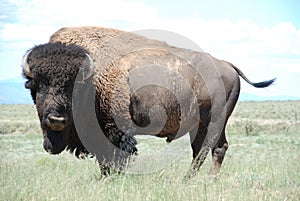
(56, 123)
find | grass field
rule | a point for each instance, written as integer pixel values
(262, 162)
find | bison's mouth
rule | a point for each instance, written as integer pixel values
(55, 130)
(54, 141)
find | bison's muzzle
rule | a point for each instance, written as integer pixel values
(56, 123)
(55, 129)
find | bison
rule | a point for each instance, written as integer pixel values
(142, 87)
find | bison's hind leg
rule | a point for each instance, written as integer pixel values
(219, 150)
(197, 137)
(218, 154)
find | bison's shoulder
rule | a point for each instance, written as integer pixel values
(89, 37)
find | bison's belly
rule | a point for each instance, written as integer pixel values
(164, 123)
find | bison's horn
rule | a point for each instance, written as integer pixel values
(90, 69)
(26, 68)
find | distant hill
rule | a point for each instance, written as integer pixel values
(251, 97)
(12, 91)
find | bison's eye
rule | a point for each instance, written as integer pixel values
(42, 85)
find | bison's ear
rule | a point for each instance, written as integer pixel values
(28, 84)
(26, 69)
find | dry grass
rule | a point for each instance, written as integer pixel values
(260, 166)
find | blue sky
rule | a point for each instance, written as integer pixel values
(263, 12)
(260, 37)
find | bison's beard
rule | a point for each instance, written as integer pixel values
(55, 141)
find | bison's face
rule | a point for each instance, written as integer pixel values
(54, 109)
(51, 70)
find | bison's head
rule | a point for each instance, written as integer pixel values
(51, 71)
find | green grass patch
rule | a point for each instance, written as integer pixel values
(264, 167)
(261, 165)
(19, 119)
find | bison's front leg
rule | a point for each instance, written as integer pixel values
(128, 142)
(105, 169)
(123, 146)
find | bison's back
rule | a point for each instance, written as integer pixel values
(89, 37)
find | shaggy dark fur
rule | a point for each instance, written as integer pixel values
(53, 68)
(43, 71)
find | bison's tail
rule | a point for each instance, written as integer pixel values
(258, 84)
